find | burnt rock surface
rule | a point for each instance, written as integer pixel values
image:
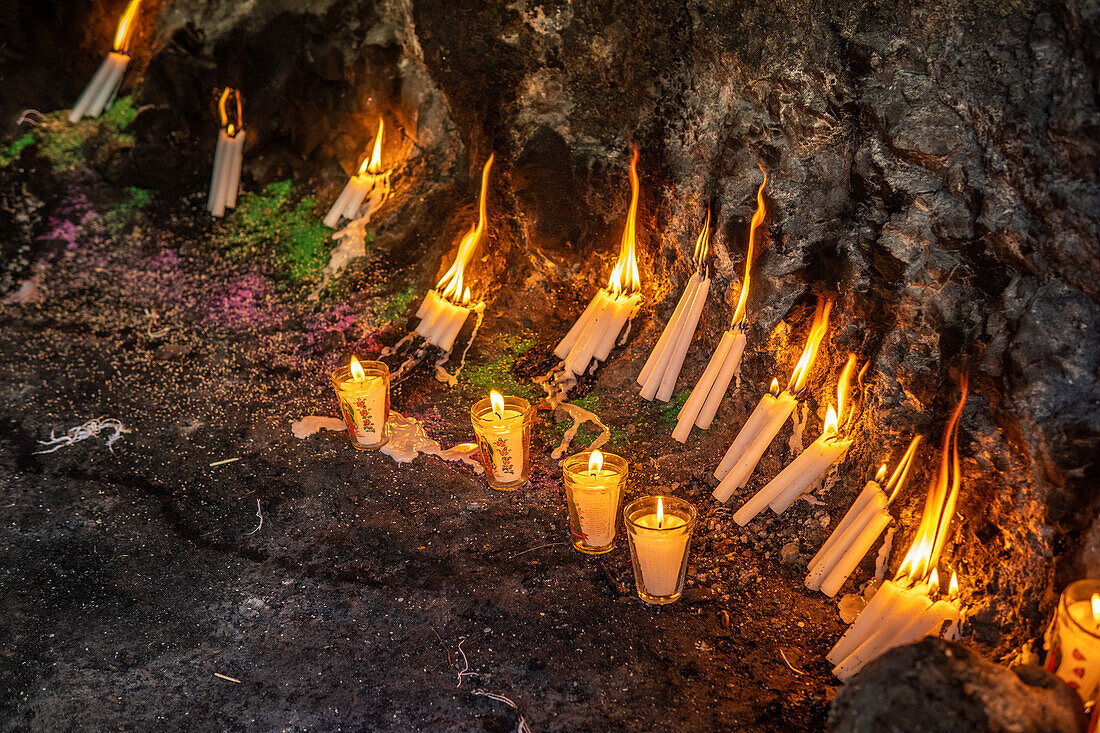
(953, 689)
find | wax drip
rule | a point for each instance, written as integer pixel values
(404, 340)
(556, 383)
(795, 442)
(442, 374)
(353, 237)
(882, 560)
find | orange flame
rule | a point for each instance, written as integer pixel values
(813, 342)
(660, 513)
(595, 462)
(880, 474)
(496, 400)
(939, 507)
(374, 163)
(774, 387)
(953, 590)
(223, 111)
(897, 480)
(450, 285)
(125, 31)
(757, 220)
(702, 244)
(357, 373)
(627, 264)
(830, 423)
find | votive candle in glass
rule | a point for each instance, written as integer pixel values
(593, 486)
(1073, 638)
(659, 529)
(363, 390)
(502, 425)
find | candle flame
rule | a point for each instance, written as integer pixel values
(844, 388)
(897, 480)
(660, 513)
(357, 373)
(374, 163)
(757, 220)
(595, 462)
(774, 388)
(953, 588)
(450, 285)
(702, 244)
(125, 31)
(813, 342)
(830, 422)
(1096, 607)
(939, 507)
(627, 264)
(880, 474)
(496, 399)
(933, 582)
(231, 127)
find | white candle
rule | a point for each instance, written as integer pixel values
(873, 614)
(103, 87)
(623, 309)
(658, 357)
(836, 567)
(441, 320)
(683, 341)
(810, 465)
(595, 306)
(731, 367)
(710, 385)
(854, 513)
(502, 425)
(660, 532)
(757, 434)
(911, 604)
(363, 393)
(226, 177)
(593, 483)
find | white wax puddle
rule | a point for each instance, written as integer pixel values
(557, 383)
(408, 439)
(883, 558)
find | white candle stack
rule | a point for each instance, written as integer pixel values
(595, 332)
(101, 90)
(812, 463)
(772, 411)
(662, 368)
(445, 308)
(370, 184)
(725, 362)
(859, 529)
(228, 156)
(902, 611)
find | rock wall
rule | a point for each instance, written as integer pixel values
(933, 166)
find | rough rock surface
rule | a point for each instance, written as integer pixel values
(935, 686)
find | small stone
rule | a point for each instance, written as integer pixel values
(789, 552)
(171, 351)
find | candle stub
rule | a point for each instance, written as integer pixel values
(363, 390)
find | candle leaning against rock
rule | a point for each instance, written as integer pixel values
(662, 368)
(812, 463)
(725, 362)
(101, 90)
(901, 611)
(864, 521)
(225, 180)
(592, 337)
(370, 184)
(769, 415)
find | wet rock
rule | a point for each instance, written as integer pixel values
(935, 685)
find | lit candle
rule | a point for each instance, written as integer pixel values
(101, 90)
(1073, 639)
(594, 334)
(503, 428)
(593, 486)
(363, 390)
(659, 529)
(445, 309)
(225, 180)
(725, 362)
(370, 182)
(771, 412)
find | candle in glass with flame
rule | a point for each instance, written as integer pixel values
(725, 362)
(901, 611)
(502, 425)
(812, 463)
(771, 412)
(446, 308)
(595, 332)
(659, 530)
(371, 183)
(363, 390)
(228, 154)
(1073, 639)
(593, 486)
(101, 90)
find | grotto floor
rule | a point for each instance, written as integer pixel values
(373, 595)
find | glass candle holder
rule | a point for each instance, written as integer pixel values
(1072, 640)
(659, 529)
(365, 403)
(504, 442)
(593, 497)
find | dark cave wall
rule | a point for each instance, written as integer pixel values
(932, 166)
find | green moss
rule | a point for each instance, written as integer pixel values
(588, 432)
(273, 224)
(122, 212)
(498, 374)
(119, 117)
(672, 408)
(393, 307)
(12, 151)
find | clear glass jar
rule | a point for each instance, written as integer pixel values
(659, 529)
(1072, 640)
(504, 442)
(593, 500)
(365, 403)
